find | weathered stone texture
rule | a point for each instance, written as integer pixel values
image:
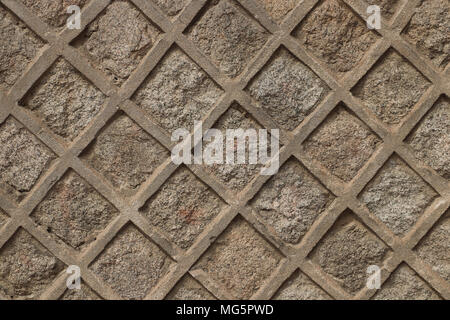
(287, 90)
(342, 144)
(435, 247)
(333, 33)
(26, 267)
(73, 211)
(125, 154)
(18, 47)
(300, 287)
(64, 100)
(177, 92)
(131, 264)
(388, 7)
(346, 252)
(53, 12)
(228, 35)
(189, 289)
(291, 201)
(429, 30)
(171, 7)
(118, 39)
(397, 195)
(405, 284)
(23, 159)
(431, 139)
(240, 260)
(183, 207)
(278, 9)
(391, 88)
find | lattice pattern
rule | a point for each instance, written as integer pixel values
(286, 261)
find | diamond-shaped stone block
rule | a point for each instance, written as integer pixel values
(183, 207)
(300, 287)
(23, 159)
(405, 284)
(125, 154)
(429, 31)
(189, 289)
(291, 201)
(240, 260)
(397, 195)
(84, 293)
(171, 7)
(278, 9)
(177, 92)
(228, 35)
(235, 176)
(391, 88)
(342, 143)
(18, 47)
(431, 138)
(73, 211)
(336, 35)
(64, 100)
(347, 250)
(131, 264)
(53, 12)
(117, 40)
(26, 267)
(434, 248)
(287, 90)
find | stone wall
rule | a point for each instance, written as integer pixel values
(86, 177)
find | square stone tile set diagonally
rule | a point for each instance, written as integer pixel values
(86, 177)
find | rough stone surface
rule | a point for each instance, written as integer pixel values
(300, 287)
(26, 267)
(278, 9)
(23, 159)
(18, 47)
(347, 250)
(431, 139)
(125, 154)
(287, 90)
(171, 7)
(397, 195)
(405, 284)
(342, 143)
(131, 264)
(429, 30)
(183, 207)
(291, 201)
(228, 35)
(118, 39)
(84, 293)
(240, 260)
(74, 212)
(64, 100)
(435, 247)
(334, 34)
(3, 218)
(177, 92)
(235, 176)
(388, 7)
(53, 12)
(391, 88)
(189, 289)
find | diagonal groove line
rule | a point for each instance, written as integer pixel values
(296, 258)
